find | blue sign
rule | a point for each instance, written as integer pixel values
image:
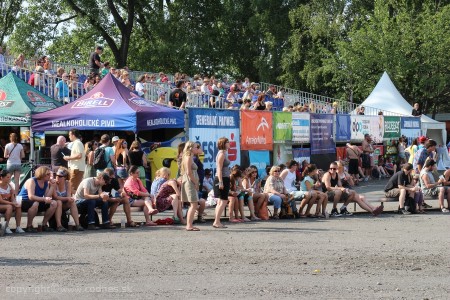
(260, 159)
(301, 154)
(410, 122)
(343, 128)
(322, 141)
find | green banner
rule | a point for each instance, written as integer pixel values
(282, 127)
(391, 128)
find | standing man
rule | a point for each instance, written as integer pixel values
(94, 60)
(178, 96)
(108, 153)
(76, 160)
(416, 112)
(367, 156)
(424, 154)
(398, 185)
(57, 153)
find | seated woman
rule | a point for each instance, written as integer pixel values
(238, 194)
(37, 197)
(252, 183)
(430, 187)
(346, 179)
(139, 196)
(62, 194)
(161, 176)
(168, 196)
(8, 203)
(312, 194)
(275, 188)
(390, 168)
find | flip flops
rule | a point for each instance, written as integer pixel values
(193, 229)
(220, 227)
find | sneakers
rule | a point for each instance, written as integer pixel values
(345, 212)
(47, 229)
(19, 230)
(92, 227)
(403, 211)
(326, 214)
(8, 230)
(334, 213)
(79, 228)
(444, 210)
(61, 229)
(30, 229)
(200, 219)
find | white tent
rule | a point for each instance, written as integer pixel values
(385, 96)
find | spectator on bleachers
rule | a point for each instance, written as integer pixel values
(433, 188)
(269, 105)
(3, 66)
(59, 73)
(74, 86)
(37, 197)
(140, 87)
(233, 95)
(196, 82)
(225, 83)
(8, 203)
(72, 73)
(205, 88)
(115, 72)
(125, 79)
(89, 83)
(178, 96)
(272, 91)
(214, 100)
(19, 63)
(246, 105)
(401, 185)
(259, 104)
(361, 111)
(246, 83)
(335, 108)
(47, 65)
(62, 88)
(280, 94)
(63, 194)
(94, 60)
(106, 69)
(214, 86)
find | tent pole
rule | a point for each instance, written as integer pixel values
(135, 136)
(31, 158)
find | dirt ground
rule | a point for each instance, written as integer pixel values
(388, 257)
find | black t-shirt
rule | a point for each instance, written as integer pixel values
(177, 97)
(113, 184)
(56, 155)
(94, 56)
(399, 178)
(136, 158)
(417, 112)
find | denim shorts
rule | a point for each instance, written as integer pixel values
(13, 167)
(122, 173)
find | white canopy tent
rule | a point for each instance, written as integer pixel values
(386, 97)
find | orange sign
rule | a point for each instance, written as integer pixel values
(256, 130)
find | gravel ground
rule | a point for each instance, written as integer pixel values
(389, 257)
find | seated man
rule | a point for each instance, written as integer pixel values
(331, 184)
(117, 197)
(89, 195)
(399, 184)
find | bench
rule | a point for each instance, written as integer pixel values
(395, 199)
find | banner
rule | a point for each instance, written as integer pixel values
(343, 128)
(282, 127)
(410, 127)
(260, 159)
(300, 127)
(301, 154)
(373, 125)
(391, 128)
(256, 130)
(322, 141)
(282, 153)
(208, 125)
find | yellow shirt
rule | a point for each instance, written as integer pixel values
(77, 164)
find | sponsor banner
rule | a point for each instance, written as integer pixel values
(391, 128)
(282, 153)
(260, 159)
(343, 128)
(15, 119)
(373, 125)
(3, 102)
(300, 127)
(322, 140)
(97, 100)
(207, 126)
(39, 101)
(282, 127)
(256, 130)
(410, 127)
(301, 154)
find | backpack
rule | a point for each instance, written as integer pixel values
(99, 158)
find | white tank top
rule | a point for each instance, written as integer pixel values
(289, 181)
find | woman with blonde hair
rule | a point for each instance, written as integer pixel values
(275, 188)
(161, 176)
(190, 182)
(121, 157)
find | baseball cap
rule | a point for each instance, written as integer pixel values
(115, 138)
(423, 139)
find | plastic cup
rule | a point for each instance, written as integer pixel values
(19, 200)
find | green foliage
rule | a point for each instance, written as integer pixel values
(8, 13)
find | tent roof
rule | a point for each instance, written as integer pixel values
(19, 100)
(385, 96)
(110, 105)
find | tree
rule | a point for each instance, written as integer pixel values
(9, 10)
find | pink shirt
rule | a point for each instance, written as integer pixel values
(134, 186)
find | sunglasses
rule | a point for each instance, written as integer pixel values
(333, 169)
(60, 176)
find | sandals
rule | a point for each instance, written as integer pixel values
(236, 221)
(193, 229)
(150, 223)
(275, 217)
(220, 227)
(61, 229)
(132, 224)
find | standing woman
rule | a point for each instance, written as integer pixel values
(189, 183)
(121, 155)
(89, 149)
(222, 181)
(14, 153)
(137, 158)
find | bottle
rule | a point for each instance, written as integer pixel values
(122, 223)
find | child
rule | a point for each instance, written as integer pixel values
(208, 181)
(380, 167)
(390, 167)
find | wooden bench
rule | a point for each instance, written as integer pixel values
(395, 199)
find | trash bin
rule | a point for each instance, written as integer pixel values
(163, 157)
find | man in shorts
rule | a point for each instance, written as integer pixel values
(399, 185)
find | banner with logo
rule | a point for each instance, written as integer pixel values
(256, 130)
(282, 153)
(260, 159)
(322, 140)
(343, 128)
(282, 127)
(207, 126)
(301, 154)
(391, 127)
(373, 125)
(410, 127)
(300, 127)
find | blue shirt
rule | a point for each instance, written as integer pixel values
(63, 89)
